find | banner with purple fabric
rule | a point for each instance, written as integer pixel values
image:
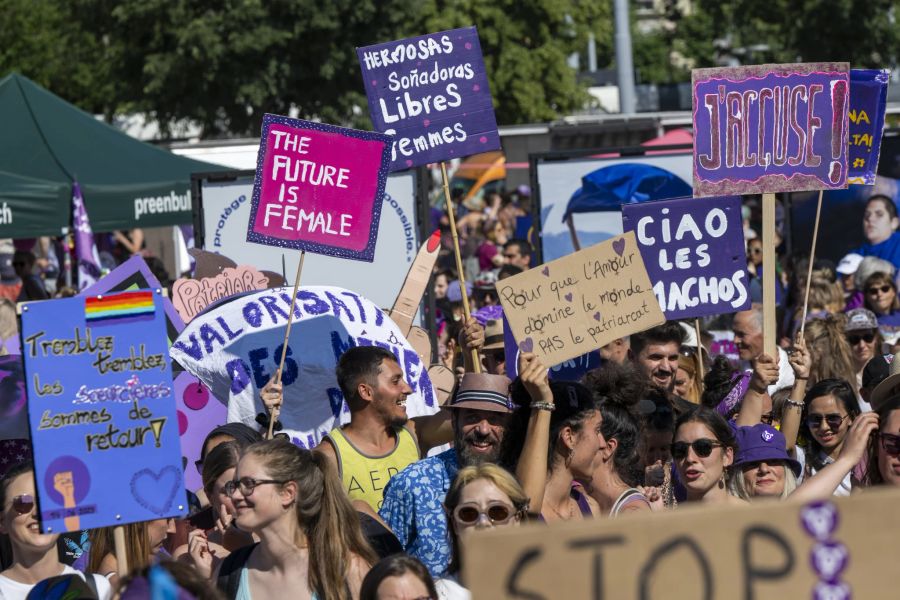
(770, 128)
(85, 249)
(868, 103)
(431, 93)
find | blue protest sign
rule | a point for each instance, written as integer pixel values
(868, 101)
(431, 93)
(101, 411)
(693, 249)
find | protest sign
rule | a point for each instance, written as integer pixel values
(191, 296)
(431, 93)
(101, 411)
(568, 370)
(770, 128)
(828, 550)
(693, 249)
(868, 103)
(234, 348)
(575, 304)
(199, 412)
(13, 415)
(318, 188)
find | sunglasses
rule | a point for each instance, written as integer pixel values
(884, 289)
(497, 514)
(702, 448)
(247, 485)
(890, 443)
(23, 504)
(865, 337)
(834, 420)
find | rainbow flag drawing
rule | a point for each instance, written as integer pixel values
(125, 305)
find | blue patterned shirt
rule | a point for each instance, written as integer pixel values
(413, 509)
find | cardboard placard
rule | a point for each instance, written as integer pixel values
(575, 304)
(693, 249)
(101, 411)
(569, 370)
(318, 188)
(770, 128)
(431, 93)
(191, 296)
(868, 104)
(827, 550)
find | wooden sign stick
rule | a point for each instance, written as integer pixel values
(812, 259)
(476, 359)
(770, 345)
(121, 555)
(699, 351)
(287, 332)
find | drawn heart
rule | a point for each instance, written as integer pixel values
(829, 591)
(597, 316)
(527, 345)
(546, 271)
(619, 246)
(156, 491)
(820, 519)
(829, 560)
(568, 297)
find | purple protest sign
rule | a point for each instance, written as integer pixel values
(770, 128)
(693, 249)
(318, 188)
(868, 101)
(430, 92)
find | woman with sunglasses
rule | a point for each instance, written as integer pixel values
(703, 450)
(481, 497)
(310, 539)
(883, 464)
(830, 408)
(35, 556)
(881, 298)
(863, 337)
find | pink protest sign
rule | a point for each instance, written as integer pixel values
(318, 188)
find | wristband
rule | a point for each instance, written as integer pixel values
(543, 406)
(801, 378)
(790, 402)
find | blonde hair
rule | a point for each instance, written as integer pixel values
(737, 486)
(324, 513)
(824, 295)
(829, 350)
(690, 364)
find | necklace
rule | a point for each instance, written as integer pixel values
(559, 514)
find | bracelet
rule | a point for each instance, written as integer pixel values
(801, 378)
(790, 402)
(543, 406)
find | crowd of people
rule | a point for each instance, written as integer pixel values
(385, 506)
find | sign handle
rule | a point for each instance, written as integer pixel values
(121, 555)
(576, 243)
(812, 258)
(770, 345)
(699, 352)
(287, 332)
(476, 359)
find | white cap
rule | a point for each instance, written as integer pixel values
(849, 264)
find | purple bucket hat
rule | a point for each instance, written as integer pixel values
(760, 443)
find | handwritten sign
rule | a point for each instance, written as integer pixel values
(431, 93)
(868, 103)
(234, 349)
(828, 550)
(568, 370)
(101, 411)
(770, 128)
(191, 296)
(318, 188)
(693, 249)
(575, 304)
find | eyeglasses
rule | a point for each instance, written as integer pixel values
(247, 485)
(865, 337)
(702, 448)
(834, 420)
(23, 504)
(890, 443)
(497, 514)
(884, 289)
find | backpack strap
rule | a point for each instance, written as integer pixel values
(229, 579)
(92, 583)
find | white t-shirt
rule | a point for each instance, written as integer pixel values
(13, 590)
(448, 588)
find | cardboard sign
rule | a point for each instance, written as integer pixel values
(431, 93)
(575, 304)
(191, 296)
(318, 188)
(693, 249)
(569, 370)
(770, 128)
(828, 550)
(101, 411)
(234, 349)
(868, 103)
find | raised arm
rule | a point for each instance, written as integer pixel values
(765, 373)
(471, 338)
(801, 362)
(531, 469)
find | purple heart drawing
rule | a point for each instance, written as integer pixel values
(156, 491)
(597, 316)
(475, 88)
(820, 519)
(409, 163)
(828, 591)
(829, 559)
(426, 122)
(568, 297)
(526, 345)
(483, 139)
(374, 83)
(468, 45)
(546, 271)
(619, 246)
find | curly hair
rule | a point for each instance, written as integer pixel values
(829, 350)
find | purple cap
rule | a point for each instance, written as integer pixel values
(762, 443)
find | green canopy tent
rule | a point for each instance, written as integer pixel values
(47, 144)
